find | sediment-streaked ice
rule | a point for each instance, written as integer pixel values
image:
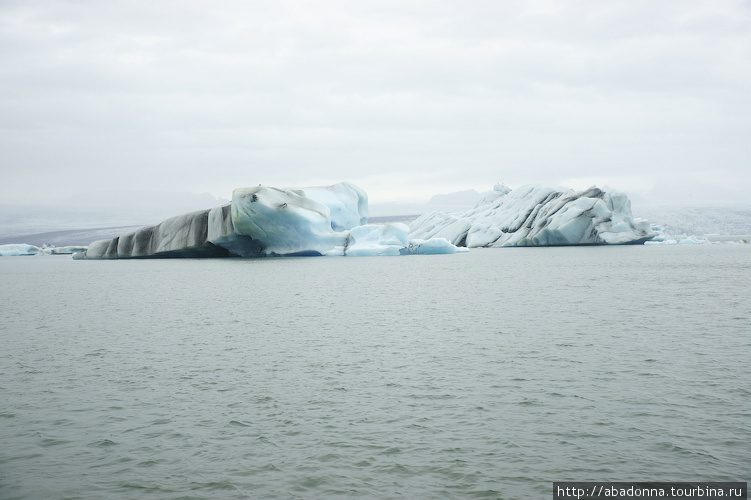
(267, 221)
(538, 216)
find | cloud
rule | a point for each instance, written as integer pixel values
(199, 97)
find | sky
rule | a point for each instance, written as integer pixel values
(405, 99)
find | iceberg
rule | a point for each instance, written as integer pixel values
(286, 222)
(679, 240)
(16, 249)
(332, 221)
(538, 216)
(392, 239)
(433, 246)
(389, 239)
(266, 221)
(64, 250)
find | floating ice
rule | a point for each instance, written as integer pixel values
(264, 221)
(64, 250)
(538, 216)
(16, 249)
(433, 246)
(389, 239)
(693, 240)
(679, 240)
(286, 222)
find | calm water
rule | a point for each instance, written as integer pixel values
(483, 375)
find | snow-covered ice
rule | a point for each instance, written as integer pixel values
(538, 216)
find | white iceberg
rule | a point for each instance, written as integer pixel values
(392, 239)
(16, 249)
(64, 250)
(538, 216)
(266, 221)
(693, 240)
(679, 240)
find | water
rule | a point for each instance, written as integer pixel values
(483, 375)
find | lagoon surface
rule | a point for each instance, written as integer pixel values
(489, 374)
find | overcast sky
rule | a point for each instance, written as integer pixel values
(405, 98)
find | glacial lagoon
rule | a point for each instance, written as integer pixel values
(488, 374)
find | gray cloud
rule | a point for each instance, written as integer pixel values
(404, 99)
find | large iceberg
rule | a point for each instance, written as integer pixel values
(538, 216)
(266, 221)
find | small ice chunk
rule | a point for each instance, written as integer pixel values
(433, 246)
(371, 239)
(16, 249)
